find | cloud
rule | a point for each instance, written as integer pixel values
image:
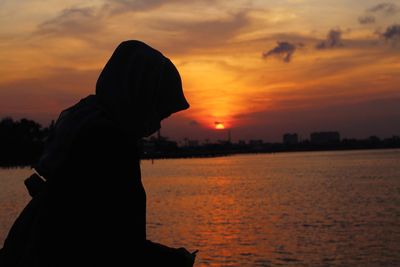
(115, 7)
(173, 34)
(379, 10)
(72, 21)
(181, 36)
(392, 32)
(88, 20)
(284, 50)
(366, 19)
(122, 6)
(334, 39)
(385, 8)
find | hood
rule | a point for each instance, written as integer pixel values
(139, 87)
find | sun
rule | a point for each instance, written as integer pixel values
(219, 125)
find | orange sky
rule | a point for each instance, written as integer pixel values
(262, 68)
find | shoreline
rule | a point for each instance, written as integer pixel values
(231, 153)
(214, 154)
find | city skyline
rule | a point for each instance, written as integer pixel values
(259, 69)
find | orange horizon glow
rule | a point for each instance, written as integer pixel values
(265, 67)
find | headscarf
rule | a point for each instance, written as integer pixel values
(137, 88)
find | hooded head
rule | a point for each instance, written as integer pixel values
(139, 87)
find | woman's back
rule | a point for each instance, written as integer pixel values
(92, 208)
(93, 211)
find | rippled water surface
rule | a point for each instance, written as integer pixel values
(287, 209)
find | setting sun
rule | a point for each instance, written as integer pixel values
(263, 68)
(219, 126)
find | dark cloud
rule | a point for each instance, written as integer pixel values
(379, 10)
(385, 8)
(392, 33)
(334, 39)
(284, 50)
(366, 19)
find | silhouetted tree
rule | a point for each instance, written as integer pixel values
(21, 142)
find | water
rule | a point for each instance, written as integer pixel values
(287, 209)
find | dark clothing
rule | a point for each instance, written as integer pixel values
(139, 87)
(94, 214)
(91, 211)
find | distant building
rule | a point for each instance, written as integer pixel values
(325, 137)
(241, 142)
(256, 142)
(158, 144)
(374, 139)
(290, 139)
(193, 143)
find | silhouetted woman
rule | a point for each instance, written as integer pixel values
(91, 208)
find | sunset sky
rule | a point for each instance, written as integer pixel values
(261, 68)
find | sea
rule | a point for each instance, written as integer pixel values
(336, 208)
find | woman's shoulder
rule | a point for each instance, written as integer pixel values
(104, 136)
(102, 148)
(102, 129)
